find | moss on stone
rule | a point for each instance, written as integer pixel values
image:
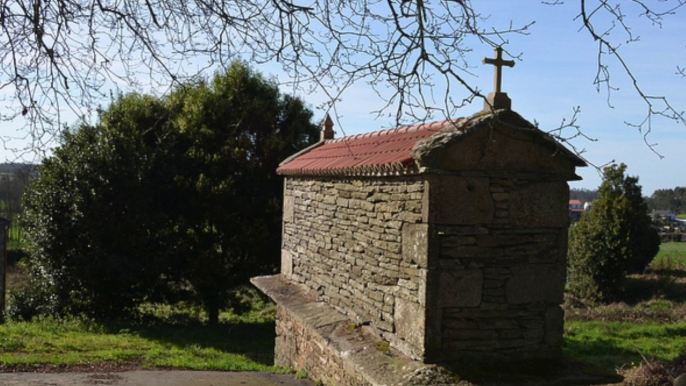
(382, 346)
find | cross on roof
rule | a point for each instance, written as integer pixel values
(498, 100)
(498, 62)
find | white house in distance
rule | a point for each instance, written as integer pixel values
(577, 208)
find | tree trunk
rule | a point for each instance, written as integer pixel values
(213, 314)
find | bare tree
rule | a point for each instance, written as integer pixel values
(59, 55)
(609, 47)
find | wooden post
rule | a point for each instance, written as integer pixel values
(4, 225)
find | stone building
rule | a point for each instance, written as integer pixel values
(442, 243)
(446, 240)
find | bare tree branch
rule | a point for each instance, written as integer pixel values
(656, 105)
(62, 57)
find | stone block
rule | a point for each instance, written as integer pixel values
(499, 147)
(409, 322)
(460, 324)
(408, 217)
(460, 201)
(415, 246)
(497, 324)
(288, 208)
(542, 204)
(554, 326)
(464, 334)
(536, 283)
(456, 241)
(460, 288)
(379, 197)
(286, 262)
(423, 279)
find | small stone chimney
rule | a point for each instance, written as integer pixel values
(327, 129)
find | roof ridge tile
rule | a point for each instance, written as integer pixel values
(381, 152)
(439, 125)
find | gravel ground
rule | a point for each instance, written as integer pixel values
(151, 378)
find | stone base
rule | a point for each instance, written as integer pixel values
(497, 101)
(314, 337)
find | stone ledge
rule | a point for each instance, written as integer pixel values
(368, 361)
(362, 351)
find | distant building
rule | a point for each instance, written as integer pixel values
(664, 214)
(576, 208)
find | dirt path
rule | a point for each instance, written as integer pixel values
(152, 378)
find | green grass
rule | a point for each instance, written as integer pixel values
(681, 216)
(618, 344)
(650, 323)
(673, 247)
(619, 335)
(171, 336)
(670, 256)
(77, 341)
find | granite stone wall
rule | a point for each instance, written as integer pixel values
(301, 347)
(442, 266)
(342, 238)
(497, 277)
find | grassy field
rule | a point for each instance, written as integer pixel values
(645, 331)
(671, 256)
(647, 327)
(618, 344)
(50, 343)
(170, 337)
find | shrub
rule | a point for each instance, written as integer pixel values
(15, 255)
(611, 241)
(31, 301)
(166, 199)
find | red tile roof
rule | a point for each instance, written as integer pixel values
(385, 152)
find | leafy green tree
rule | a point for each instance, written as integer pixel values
(611, 241)
(166, 198)
(669, 199)
(235, 130)
(583, 195)
(98, 218)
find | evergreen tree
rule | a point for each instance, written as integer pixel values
(611, 241)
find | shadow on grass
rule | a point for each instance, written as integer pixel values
(537, 372)
(676, 273)
(253, 340)
(601, 352)
(664, 284)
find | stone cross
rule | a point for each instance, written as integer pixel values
(498, 62)
(497, 99)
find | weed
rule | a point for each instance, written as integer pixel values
(382, 346)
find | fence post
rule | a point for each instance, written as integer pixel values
(4, 225)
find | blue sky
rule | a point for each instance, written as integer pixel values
(554, 76)
(557, 72)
